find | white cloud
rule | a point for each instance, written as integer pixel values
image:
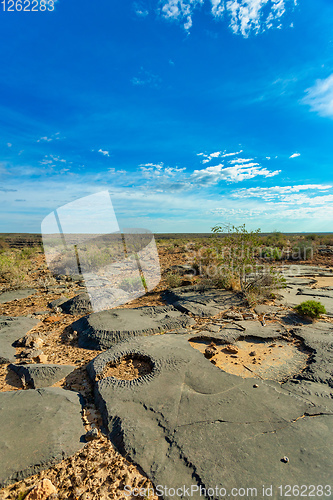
(241, 160)
(284, 193)
(140, 9)
(236, 173)
(244, 16)
(47, 139)
(9, 144)
(320, 97)
(105, 153)
(216, 154)
(295, 155)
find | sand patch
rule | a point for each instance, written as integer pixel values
(271, 360)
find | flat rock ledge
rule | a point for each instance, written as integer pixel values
(38, 429)
(189, 423)
(104, 329)
(42, 375)
(201, 300)
(11, 330)
(16, 295)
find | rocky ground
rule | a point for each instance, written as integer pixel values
(216, 330)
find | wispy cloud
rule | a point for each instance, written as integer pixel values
(295, 155)
(244, 16)
(282, 193)
(105, 153)
(235, 173)
(140, 9)
(320, 97)
(146, 78)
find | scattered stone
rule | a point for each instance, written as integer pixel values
(38, 428)
(232, 349)
(57, 302)
(32, 353)
(42, 358)
(16, 295)
(248, 316)
(42, 490)
(52, 319)
(91, 435)
(285, 460)
(40, 313)
(211, 350)
(256, 386)
(104, 329)
(11, 329)
(182, 270)
(252, 353)
(201, 300)
(233, 315)
(35, 339)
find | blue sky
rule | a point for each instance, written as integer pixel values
(190, 112)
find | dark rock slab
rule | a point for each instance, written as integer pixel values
(57, 302)
(318, 337)
(104, 329)
(202, 301)
(42, 375)
(316, 292)
(11, 329)
(189, 423)
(38, 428)
(300, 270)
(312, 391)
(244, 329)
(183, 270)
(80, 304)
(265, 309)
(16, 295)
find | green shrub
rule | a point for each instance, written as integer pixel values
(173, 280)
(311, 308)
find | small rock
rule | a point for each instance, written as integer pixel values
(42, 358)
(211, 350)
(285, 460)
(232, 349)
(41, 490)
(252, 353)
(91, 435)
(233, 315)
(256, 386)
(52, 319)
(32, 353)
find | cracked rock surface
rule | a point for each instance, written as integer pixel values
(200, 300)
(38, 428)
(11, 329)
(188, 422)
(104, 329)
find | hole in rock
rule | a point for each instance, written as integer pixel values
(129, 367)
(252, 357)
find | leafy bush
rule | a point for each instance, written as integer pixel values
(303, 250)
(311, 308)
(173, 279)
